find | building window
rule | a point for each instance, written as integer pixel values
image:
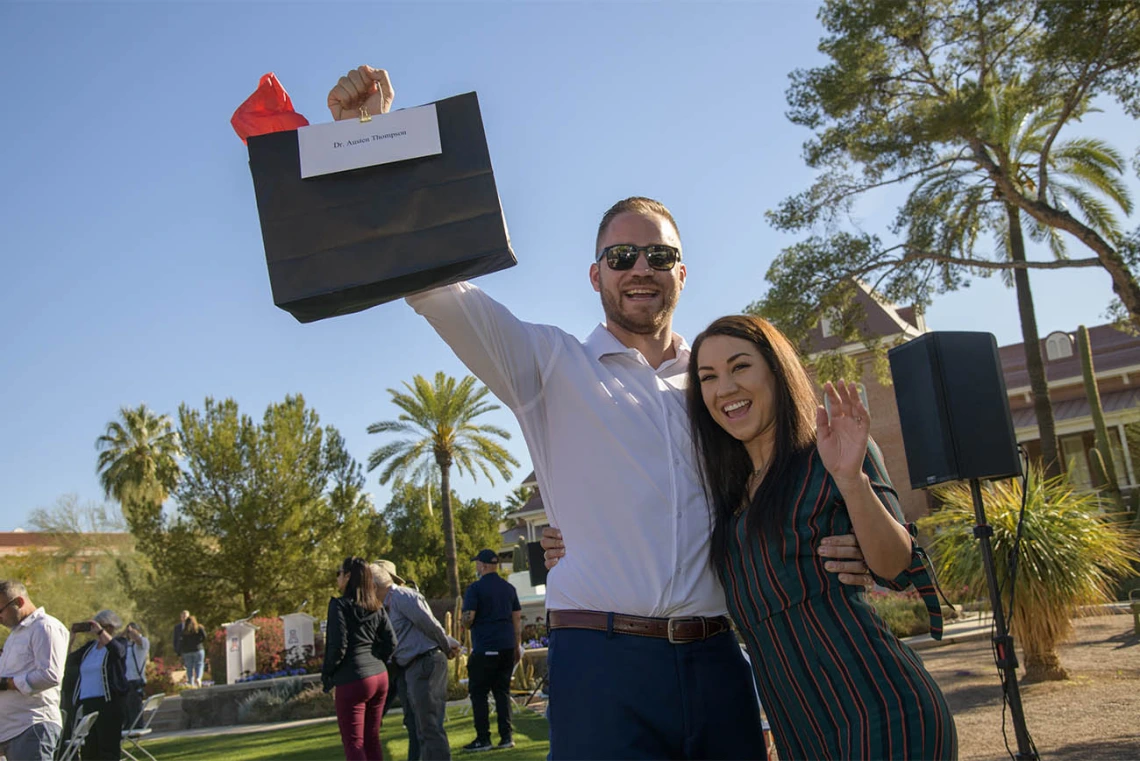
(1077, 452)
(1058, 346)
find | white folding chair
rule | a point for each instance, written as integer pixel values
(83, 724)
(141, 727)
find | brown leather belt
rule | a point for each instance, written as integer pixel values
(679, 631)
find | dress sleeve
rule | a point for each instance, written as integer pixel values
(920, 573)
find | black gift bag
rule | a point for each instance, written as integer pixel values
(339, 243)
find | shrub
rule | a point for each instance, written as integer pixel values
(311, 703)
(259, 708)
(159, 678)
(1072, 553)
(903, 612)
(266, 705)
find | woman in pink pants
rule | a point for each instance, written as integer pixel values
(358, 640)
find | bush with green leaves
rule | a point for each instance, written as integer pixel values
(266, 705)
(311, 703)
(903, 612)
(1072, 553)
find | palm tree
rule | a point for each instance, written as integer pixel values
(1071, 553)
(138, 463)
(440, 416)
(518, 497)
(1080, 172)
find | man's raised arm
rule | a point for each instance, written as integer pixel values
(510, 356)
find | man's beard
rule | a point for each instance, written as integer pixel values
(639, 324)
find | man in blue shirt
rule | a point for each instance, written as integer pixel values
(491, 611)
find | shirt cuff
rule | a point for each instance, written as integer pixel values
(920, 575)
(21, 682)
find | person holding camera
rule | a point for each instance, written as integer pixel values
(138, 653)
(95, 679)
(31, 667)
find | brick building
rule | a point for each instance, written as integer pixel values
(891, 324)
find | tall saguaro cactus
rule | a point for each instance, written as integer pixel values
(1102, 454)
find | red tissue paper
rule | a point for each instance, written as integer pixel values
(269, 109)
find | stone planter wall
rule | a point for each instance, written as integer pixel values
(217, 706)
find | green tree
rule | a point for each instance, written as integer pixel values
(518, 497)
(138, 464)
(418, 542)
(264, 512)
(1071, 554)
(951, 208)
(907, 95)
(440, 416)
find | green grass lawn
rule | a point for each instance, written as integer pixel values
(321, 741)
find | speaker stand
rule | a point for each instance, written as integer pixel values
(1003, 643)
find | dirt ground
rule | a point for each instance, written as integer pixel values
(1093, 715)
(1096, 714)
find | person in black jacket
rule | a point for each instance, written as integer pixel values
(193, 644)
(358, 639)
(95, 679)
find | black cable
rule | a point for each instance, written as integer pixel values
(1012, 562)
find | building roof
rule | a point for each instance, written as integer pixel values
(511, 536)
(1113, 401)
(1112, 349)
(880, 319)
(16, 542)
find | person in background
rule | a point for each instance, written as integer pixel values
(422, 651)
(358, 640)
(492, 612)
(138, 653)
(176, 640)
(95, 679)
(193, 650)
(396, 684)
(31, 669)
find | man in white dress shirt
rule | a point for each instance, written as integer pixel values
(31, 669)
(138, 654)
(641, 661)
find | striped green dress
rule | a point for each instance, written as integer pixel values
(833, 680)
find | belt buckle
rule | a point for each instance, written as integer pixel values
(673, 640)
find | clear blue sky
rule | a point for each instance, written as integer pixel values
(133, 269)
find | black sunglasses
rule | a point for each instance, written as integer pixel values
(622, 256)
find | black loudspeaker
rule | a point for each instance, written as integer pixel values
(536, 562)
(953, 409)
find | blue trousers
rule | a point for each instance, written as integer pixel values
(622, 696)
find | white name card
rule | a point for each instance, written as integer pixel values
(351, 144)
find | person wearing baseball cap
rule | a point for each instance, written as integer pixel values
(492, 612)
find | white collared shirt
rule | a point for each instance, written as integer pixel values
(137, 656)
(609, 438)
(33, 656)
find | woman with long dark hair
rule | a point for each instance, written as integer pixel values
(358, 640)
(783, 473)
